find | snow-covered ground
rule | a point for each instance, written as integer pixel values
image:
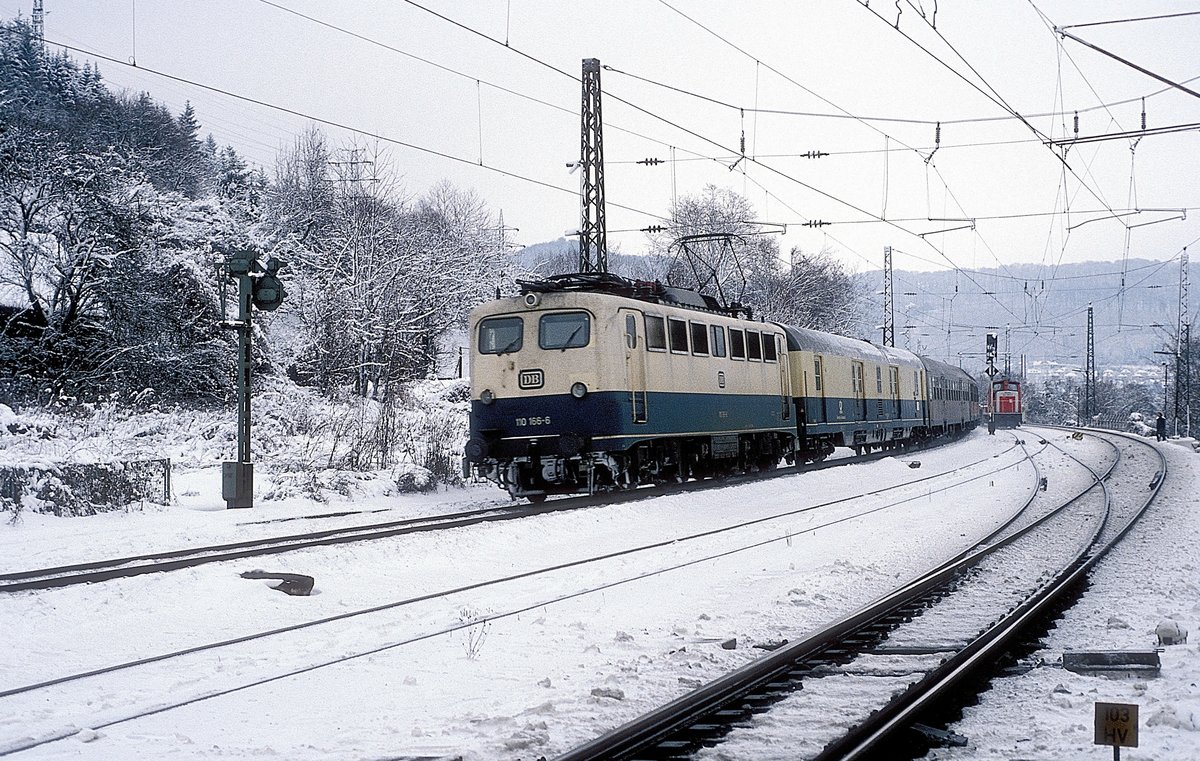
(1151, 578)
(525, 668)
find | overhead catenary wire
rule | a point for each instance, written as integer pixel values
(340, 125)
(746, 53)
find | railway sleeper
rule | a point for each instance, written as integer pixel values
(669, 749)
(706, 731)
(939, 738)
(731, 716)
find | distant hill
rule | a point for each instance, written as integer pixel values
(1046, 309)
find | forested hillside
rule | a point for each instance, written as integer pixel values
(114, 213)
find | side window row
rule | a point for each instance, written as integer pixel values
(955, 391)
(687, 337)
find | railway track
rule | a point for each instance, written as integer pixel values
(179, 664)
(172, 560)
(855, 685)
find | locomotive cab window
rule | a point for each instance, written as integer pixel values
(737, 344)
(501, 335)
(878, 379)
(768, 346)
(564, 330)
(656, 333)
(718, 341)
(677, 331)
(699, 338)
(753, 346)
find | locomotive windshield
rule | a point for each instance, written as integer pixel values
(564, 330)
(501, 335)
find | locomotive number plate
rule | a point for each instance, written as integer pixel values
(531, 379)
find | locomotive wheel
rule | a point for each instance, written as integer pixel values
(535, 499)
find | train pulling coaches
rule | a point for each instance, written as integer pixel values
(586, 383)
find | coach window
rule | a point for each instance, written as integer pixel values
(564, 330)
(678, 333)
(769, 353)
(656, 334)
(818, 371)
(753, 346)
(718, 341)
(878, 379)
(737, 344)
(501, 335)
(699, 338)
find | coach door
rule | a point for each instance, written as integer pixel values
(635, 364)
(894, 389)
(816, 411)
(785, 375)
(858, 382)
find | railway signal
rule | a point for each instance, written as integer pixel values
(258, 288)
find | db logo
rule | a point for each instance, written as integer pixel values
(531, 379)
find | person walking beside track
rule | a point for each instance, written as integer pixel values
(1160, 427)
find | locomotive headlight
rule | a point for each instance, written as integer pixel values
(578, 390)
(487, 397)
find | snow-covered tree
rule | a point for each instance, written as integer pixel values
(713, 245)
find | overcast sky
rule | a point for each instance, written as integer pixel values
(507, 108)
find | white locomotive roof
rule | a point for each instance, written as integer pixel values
(815, 341)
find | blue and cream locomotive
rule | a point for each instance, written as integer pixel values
(594, 382)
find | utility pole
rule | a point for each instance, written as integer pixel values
(889, 309)
(1089, 375)
(1183, 372)
(593, 246)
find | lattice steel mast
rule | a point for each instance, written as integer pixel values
(593, 246)
(1089, 375)
(39, 21)
(889, 307)
(1183, 373)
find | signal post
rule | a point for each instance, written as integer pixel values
(258, 287)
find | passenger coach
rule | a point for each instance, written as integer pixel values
(853, 393)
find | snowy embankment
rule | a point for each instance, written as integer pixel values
(522, 685)
(308, 451)
(519, 686)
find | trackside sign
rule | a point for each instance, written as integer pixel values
(1117, 725)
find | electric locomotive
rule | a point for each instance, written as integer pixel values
(594, 382)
